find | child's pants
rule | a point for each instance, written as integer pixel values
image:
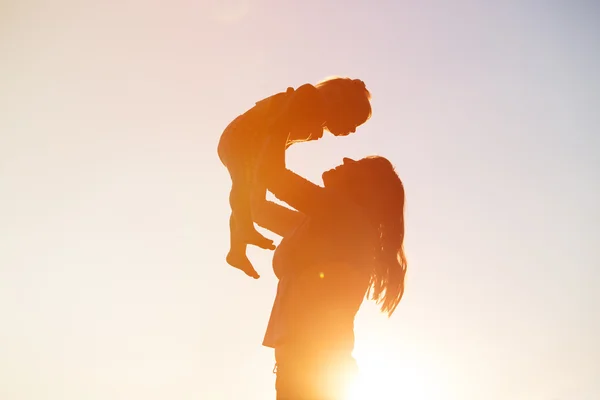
(237, 152)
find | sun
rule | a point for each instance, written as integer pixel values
(385, 377)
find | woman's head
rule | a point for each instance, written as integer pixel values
(347, 103)
(373, 183)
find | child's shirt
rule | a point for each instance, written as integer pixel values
(275, 113)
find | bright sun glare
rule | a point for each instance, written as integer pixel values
(384, 378)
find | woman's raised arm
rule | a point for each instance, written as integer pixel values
(274, 217)
(287, 186)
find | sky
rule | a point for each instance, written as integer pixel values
(114, 210)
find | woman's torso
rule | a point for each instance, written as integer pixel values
(324, 272)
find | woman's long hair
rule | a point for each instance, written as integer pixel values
(383, 194)
(387, 280)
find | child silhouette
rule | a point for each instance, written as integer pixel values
(336, 104)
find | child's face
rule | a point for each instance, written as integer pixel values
(307, 128)
(341, 123)
(341, 127)
(341, 130)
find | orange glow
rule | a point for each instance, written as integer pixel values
(383, 376)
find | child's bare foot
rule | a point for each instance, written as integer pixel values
(241, 262)
(256, 239)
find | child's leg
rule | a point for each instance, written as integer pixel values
(242, 214)
(239, 199)
(237, 251)
(234, 161)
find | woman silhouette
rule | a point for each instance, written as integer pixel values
(344, 241)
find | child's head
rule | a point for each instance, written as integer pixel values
(306, 113)
(347, 104)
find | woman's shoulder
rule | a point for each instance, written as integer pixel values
(343, 207)
(350, 225)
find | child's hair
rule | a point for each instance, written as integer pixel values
(351, 98)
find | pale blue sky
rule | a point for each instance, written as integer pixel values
(113, 204)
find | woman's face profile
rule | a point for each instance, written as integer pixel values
(336, 176)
